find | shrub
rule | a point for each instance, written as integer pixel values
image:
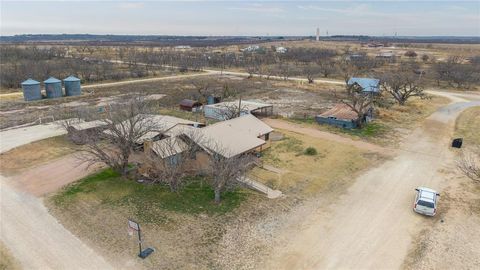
(310, 151)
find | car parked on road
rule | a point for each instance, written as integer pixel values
(426, 201)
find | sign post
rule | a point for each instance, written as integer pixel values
(134, 226)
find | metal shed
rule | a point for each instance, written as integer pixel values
(31, 90)
(53, 87)
(340, 115)
(72, 86)
(189, 105)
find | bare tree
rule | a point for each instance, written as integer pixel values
(311, 71)
(411, 54)
(402, 86)
(359, 101)
(227, 171)
(124, 126)
(469, 164)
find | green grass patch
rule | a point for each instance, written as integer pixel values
(148, 202)
(371, 129)
(290, 144)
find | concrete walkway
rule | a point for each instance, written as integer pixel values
(255, 185)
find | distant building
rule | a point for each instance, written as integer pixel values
(368, 85)
(227, 110)
(355, 56)
(251, 48)
(390, 56)
(280, 50)
(190, 105)
(182, 47)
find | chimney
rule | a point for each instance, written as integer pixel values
(318, 34)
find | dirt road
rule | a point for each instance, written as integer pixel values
(51, 176)
(371, 225)
(280, 124)
(34, 236)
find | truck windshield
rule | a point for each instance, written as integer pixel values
(426, 204)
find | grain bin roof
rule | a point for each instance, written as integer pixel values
(71, 79)
(52, 80)
(30, 82)
(340, 111)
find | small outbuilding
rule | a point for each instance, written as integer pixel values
(341, 115)
(190, 105)
(225, 110)
(368, 85)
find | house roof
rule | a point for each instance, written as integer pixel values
(164, 124)
(232, 137)
(245, 104)
(248, 124)
(367, 84)
(169, 146)
(340, 111)
(30, 82)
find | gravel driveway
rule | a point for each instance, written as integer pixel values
(371, 225)
(27, 228)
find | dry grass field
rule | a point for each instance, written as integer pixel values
(468, 126)
(305, 172)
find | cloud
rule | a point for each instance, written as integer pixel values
(257, 7)
(130, 5)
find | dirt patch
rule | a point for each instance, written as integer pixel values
(7, 261)
(309, 174)
(35, 154)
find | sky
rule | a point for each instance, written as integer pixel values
(231, 18)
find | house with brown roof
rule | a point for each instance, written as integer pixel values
(341, 115)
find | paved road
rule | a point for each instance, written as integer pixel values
(34, 236)
(371, 225)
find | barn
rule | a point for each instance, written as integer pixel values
(341, 115)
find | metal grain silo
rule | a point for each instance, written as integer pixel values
(53, 87)
(31, 90)
(72, 86)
